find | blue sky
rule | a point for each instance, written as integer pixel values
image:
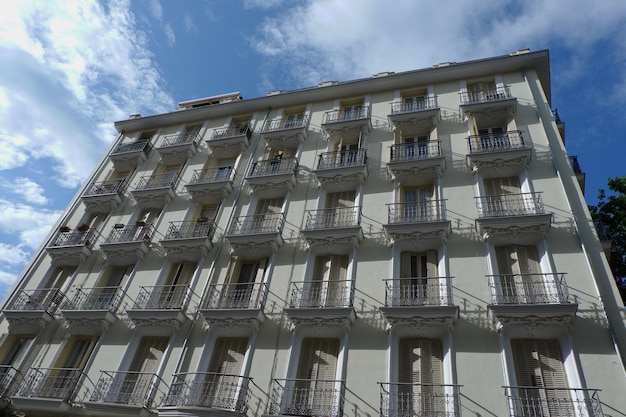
(70, 68)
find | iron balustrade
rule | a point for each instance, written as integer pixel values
(418, 291)
(276, 166)
(144, 146)
(547, 288)
(504, 205)
(238, 129)
(329, 293)
(150, 182)
(236, 296)
(180, 139)
(419, 400)
(342, 159)
(415, 151)
(46, 300)
(189, 229)
(414, 105)
(210, 175)
(128, 234)
(209, 390)
(417, 212)
(117, 186)
(333, 217)
(286, 124)
(486, 95)
(307, 397)
(75, 238)
(553, 401)
(573, 161)
(132, 388)
(495, 142)
(59, 383)
(10, 381)
(96, 298)
(347, 114)
(162, 297)
(257, 224)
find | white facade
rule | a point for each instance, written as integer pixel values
(411, 244)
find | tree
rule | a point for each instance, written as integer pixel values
(609, 215)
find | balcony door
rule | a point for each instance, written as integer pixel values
(328, 287)
(14, 354)
(417, 204)
(339, 210)
(143, 226)
(222, 383)
(294, 120)
(267, 215)
(420, 390)
(414, 147)
(62, 379)
(520, 274)
(414, 288)
(502, 196)
(314, 392)
(174, 291)
(51, 296)
(348, 154)
(240, 290)
(351, 112)
(104, 297)
(224, 169)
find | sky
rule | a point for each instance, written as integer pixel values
(70, 68)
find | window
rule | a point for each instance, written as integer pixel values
(172, 295)
(61, 380)
(267, 215)
(348, 154)
(104, 297)
(314, 391)
(420, 391)
(502, 197)
(221, 385)
(224, 169)
(294, 120)
(328, 286)
(520, 276)
(414, 288)
(243, 282)
(339, 209)
(418, 205)
(415, 146)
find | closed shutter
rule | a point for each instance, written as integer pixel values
(520, 273)
(240, 293)
(220, 386)
(336, 292)
(173, 293)
(339, 210)
(420, 376)
(267, 211)
(502, 185)
(414, 289)
(316, 374)
(60, 382)
(145, 364)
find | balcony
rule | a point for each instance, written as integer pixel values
(416, 115)
(11, 380)
(307, 397)
(424, 297)
(257, 235)
(273, 177)
(92, 310)
(399, 399)
(176, 149)
(285, 133)
(580, 175)
(210, 186)
(164, 304)
(553, 401)
(127, 156)
(188, 240)
(348, 121)
(156, 190)
(423, 220)
(503, 154)
(104, 196)
(333, 230)
(198, 393)
(515, 296)
(72, 247)
(49, 390)
(411, 160)
(511, 214)
(230, 141)
(342, 170)
(125, 245)
(489, 106)
(30, 310)
(241, 302)
(325, 300)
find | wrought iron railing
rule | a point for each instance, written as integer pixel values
(486, 95)
(209, 390)
(419, 400)
(347, 114)
(206, 176)
(132, 388)
(127, 234)
(96, 298)
(117, 186)
(236, 296)
(549, 288)
(553, 402)
(573, 161)
(75, 238)
(180, 139)
(524, 204)
(418, 291)
(257, 223)
(415, 151)
(333, 217)
(417, 212)
(285, 124)
(45, 300)
(162, 297)
(496, 142)
(274, 167)
(11, 380)
(189, 229)
(320, 294)
(417, 104)
(238, 129)
(59, 383)
(150, 182)
(307, 397)
(342, 159)
(142, 145)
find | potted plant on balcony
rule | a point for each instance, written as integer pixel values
(64, 229)
(203, 219)
(83, 227)
(140, 223)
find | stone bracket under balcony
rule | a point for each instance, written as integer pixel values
(347, 122)
(498, 154)
(233, 304)
(421, 233)
(31, 310)
(410, 117)
(158, 319)
(71, 248)
(155, 191)
(403, 314)
(410, 162)
(230, 317)
(509, 313)
(489, 106)
(102, 197)
(230, 141)
(127, 156)
(126, 245)
(513, 227)
(283, 134)
(188, 240)
(91, 322)
(335, 230)
(273, 178)
(343, 170)
(323, 320)
(210, 186)
(177, 148)
(256, 236)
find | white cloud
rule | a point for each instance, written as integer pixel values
(13, 256)
(156, 9)
(29, 190)
(189, 24)
(262, 4)
(169, 34)
(30, 224)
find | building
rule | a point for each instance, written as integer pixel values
(410, 244)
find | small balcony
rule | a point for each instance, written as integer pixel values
(508, 214)
(48, 389)
(553, 401)
(417, 220)
(189, 240)
(126, 393)
(104, 196)
(333, 230)
(11, 380)
(406, 399)
(273, 177)
(125, 245)
(342, 170)
(243, 302)
(424, 297)
(286, 133)
(210, 186)
(410, 160)
(307, 397)
(156, 190)
(198, 393)
(348, 121)
(530, 295)
(415, 115)
(257, 235)
(490, 105)
(92, 310)
(127, 156)
(29, 310)
(580, 175)
(176, 149)
(72, 247)
(162, 303)
(312, 300)
(230, 141)
(507, 153)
